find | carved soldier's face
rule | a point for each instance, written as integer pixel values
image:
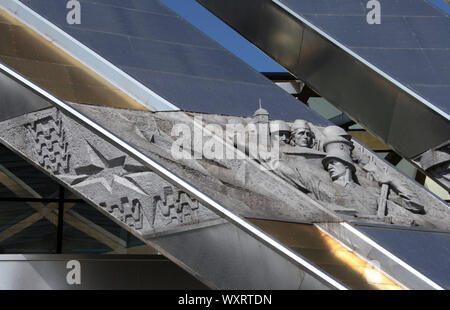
(336, 169)
(282, 136)
(304, 137)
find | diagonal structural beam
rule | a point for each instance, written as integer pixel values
(50, 212)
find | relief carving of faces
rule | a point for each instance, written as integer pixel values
(282, 136)
(303, 137)
(336, 169)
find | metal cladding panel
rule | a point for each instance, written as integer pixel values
(392, 7)
(171, 57)
(98, 272)
(381, 75)
(215, 95)
(438, 93)
(411, 44)
(216, 227)
(416, 247)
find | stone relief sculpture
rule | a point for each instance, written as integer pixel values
(344, 194)
(50, 145)
(320, 173)
(118, 184)
(280, 132)
(174, 206)
(399, 190)
(437, 163)
(338, 161)
(128, 212)
(302, 134)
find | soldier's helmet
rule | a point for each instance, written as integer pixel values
(300, 124)
(338, 151)
(336, 131)
(280, 127)
(338, 147)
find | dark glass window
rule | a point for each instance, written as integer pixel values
(29, 216)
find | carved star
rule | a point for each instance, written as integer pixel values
(103, 170)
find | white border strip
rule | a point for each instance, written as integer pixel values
(366, 259)
(86, 56)
(172, 178)
(394, 258)
(362, 60)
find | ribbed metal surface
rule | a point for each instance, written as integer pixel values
(412, 43)
(45, 64)
(169, 56)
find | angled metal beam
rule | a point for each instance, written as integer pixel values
(250, 234)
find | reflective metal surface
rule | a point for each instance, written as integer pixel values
(25, 101)
(329, 254)
(42, 60)
(413, 245)
(238, 233)
(97, 272)
(169, 57)
(301, 273)
(395, 264)
(240, 261)
(326, 52)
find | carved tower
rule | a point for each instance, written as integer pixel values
(261, 120)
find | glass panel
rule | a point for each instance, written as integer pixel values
(415, 247)
(87, 230)
(88, 214)
(76, 241)
(14, 214)
(323, 107)
(31, 227)
(20, 179)
(411, 32)
(39, 238)
(191, 84)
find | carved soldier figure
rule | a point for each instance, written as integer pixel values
(437, 164)
(398, 190)
(302, 134)
(336, 131)
(339, 164)
(280, 131)
(338, 161)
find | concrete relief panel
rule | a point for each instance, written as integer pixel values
(104, 175)
(295, 171)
